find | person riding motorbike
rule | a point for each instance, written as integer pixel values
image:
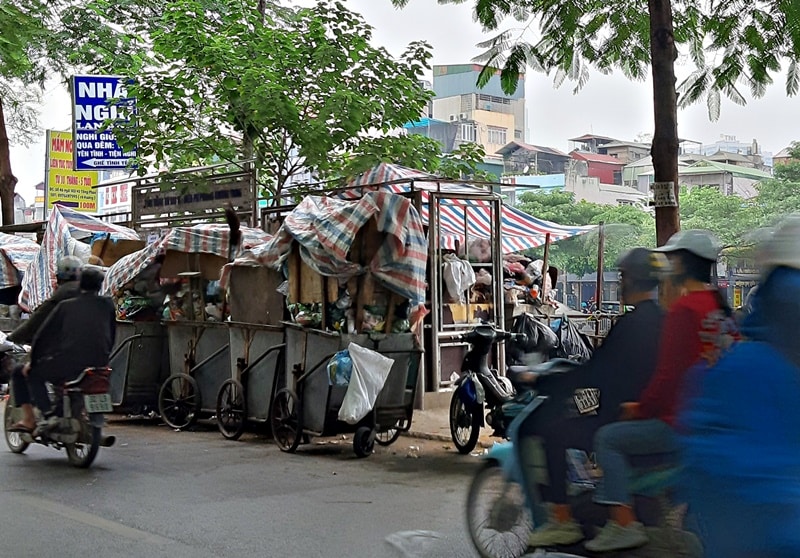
(740, 427)
(79, 334)
(620, 368)
(698, 325)
(67, 272)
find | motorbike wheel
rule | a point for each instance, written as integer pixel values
(231, 409)
(465, 425)
(82, 454)
(14, 439)
(179, 401)
(498, 520)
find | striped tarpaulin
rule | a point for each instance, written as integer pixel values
(325, 228)
(519, 231)
(17, 254)
(62, 237)
(200, 239)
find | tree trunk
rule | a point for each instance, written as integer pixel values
(665, 110)
(7, 179)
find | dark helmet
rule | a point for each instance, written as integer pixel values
(92, 278)
(645, 268)
(68, 269)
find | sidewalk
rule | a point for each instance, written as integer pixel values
(434, 424)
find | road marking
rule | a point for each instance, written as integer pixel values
(93, 520)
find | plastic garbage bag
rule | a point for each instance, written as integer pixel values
(574, 345)
(412, 544)
(370, 370)
(340, 368)
(539, 338)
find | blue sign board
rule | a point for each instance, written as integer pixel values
(98, 102)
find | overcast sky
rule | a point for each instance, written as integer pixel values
(607, 105)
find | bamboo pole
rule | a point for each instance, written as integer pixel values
(545, 265)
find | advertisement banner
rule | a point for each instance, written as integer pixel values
(64, 186)
(96, 100)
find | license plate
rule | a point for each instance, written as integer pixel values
(587, 400)
(98, 403)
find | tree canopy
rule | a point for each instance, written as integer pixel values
(732, 218)
(290, 88)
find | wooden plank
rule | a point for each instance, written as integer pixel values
(311, 285)
(252, 295)
(293, 264)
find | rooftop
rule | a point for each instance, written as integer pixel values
(590, 137)
(595, 157)
(516, 145)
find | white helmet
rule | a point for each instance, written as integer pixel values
(702, 244)
(781, 248)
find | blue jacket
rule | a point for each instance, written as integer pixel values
(740, 430)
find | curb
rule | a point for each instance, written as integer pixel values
(441, 438)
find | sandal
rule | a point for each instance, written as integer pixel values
(20, 427)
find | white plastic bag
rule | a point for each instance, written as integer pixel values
(370, 370)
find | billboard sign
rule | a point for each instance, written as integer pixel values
(95, 100)
(65, 186)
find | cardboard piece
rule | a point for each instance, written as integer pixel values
(111, 252)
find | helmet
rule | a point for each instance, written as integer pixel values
(641, 264)
(781, 248)
(702, 244)
(92, 278)
(68, 269)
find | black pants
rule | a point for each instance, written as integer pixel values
(558, 434)
(33, 389)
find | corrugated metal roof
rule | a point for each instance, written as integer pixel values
(515, 145)
(706, 167)
(596, 158)
(589, 137)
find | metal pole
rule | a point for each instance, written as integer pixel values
(598, 297)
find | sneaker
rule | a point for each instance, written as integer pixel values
(616, 537)
(555, 533)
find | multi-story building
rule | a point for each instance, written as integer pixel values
(484, 115)
(759, 159)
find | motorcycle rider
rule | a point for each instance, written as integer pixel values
(740, 428)
(698, 326)
(67, 272)
(79, 334)
(620, 368)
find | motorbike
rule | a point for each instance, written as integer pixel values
(77, 424)
(503, 507)
(481, 389)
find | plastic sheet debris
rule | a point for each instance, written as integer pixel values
(413, 544)
(413, 452)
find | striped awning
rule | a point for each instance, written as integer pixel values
(68, 233)
(519, 230)
(212, 239)
(16, 254)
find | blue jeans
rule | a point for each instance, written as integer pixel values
(616, 443)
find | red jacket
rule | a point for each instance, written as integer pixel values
(691, 331)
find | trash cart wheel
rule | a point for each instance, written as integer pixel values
(179, 401)
(286, 421)
(465, 424)
(387, 437)
(14, 439)
(231, 409)
(363, 441)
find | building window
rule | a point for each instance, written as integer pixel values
(496, 136)
(467, 132)
(517, 134)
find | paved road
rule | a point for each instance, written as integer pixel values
(194, 494)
